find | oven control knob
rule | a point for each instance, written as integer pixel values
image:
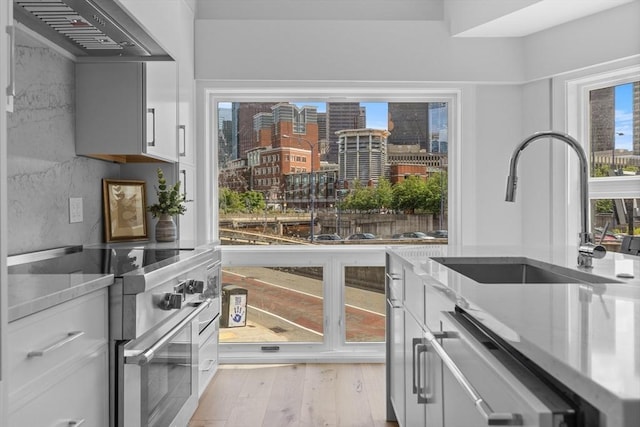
(194, 286)
(171, 301)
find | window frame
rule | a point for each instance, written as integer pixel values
(344, 92)
(570, 113)
(618, 187)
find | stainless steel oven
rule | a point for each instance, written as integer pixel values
(160, 372)
(161, 316)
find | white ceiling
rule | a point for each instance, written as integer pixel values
(465, 18)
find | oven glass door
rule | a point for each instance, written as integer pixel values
(160, 375)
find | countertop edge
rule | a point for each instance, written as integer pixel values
(27, 308)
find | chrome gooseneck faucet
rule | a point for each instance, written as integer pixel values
(587, 249)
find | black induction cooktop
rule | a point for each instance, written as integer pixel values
(76, 260)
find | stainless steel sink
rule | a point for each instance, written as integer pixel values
(517, 270)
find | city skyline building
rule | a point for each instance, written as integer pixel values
(409, 123)
(341, 116)
(243, 135)
(362, 155)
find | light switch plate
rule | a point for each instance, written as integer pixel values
(75, 209)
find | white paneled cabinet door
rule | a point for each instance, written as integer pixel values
(161, 114)
(186, 122)
(127, 109)
(8, 76)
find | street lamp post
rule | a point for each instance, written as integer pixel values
(312, 190)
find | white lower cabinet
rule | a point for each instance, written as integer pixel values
(445, 371)
(58, 363)
(80, 398)
(208, 357)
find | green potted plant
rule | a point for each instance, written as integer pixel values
(171, 202)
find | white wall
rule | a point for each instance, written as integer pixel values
(504, 83)
(350, 50)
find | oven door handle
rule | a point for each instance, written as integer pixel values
(146, 356)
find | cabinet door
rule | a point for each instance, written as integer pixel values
(161, 110)
(395, 361)
(186, 76)
(109, 108)
(7, 40)
(79, 397)
(483, 386)
(414, 349)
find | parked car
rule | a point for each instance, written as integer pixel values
(361, 236)
(439, 234)
(413, 235)
(319, 237)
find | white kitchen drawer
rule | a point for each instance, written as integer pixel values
(80, 396)
(41, 342)
(208, 356)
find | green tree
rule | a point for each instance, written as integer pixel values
(436, 189)
(253, 201)
(410, 195)
(384, 194)
(229, 201)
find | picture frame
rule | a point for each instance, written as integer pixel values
(125, 211)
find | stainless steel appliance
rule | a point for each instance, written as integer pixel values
(164, 304)
(89, 28)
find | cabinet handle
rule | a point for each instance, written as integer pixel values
(74, 423)
(70, 337)
(151, 116)
(394, 276)
(418, 348)
(209, 365)
(11, 88)
(183, 172)
(145, 356)
(182, 140)
(492, 418)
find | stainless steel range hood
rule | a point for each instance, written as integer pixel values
(90, 29)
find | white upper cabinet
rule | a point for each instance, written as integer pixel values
(186, 72)
(127, 111)
(7, 74)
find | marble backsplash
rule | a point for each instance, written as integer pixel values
(43, 170)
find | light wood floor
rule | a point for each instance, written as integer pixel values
(301, 395)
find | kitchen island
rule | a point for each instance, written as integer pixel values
(586, 336)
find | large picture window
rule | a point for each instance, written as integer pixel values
(336, 171)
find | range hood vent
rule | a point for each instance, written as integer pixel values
(89, 28)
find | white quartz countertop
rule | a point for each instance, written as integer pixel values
(587, 336)
(30, 293)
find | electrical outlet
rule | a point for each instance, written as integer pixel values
(75, 209)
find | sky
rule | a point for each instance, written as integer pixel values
(376, 112)
(624, 116)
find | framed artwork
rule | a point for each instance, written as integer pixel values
(125, 213)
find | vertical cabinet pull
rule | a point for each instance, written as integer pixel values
(11, 87)
(182, 140)
(71, 336)
(151, 127)
(183, 173)
(492, 418)
(421, 389)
